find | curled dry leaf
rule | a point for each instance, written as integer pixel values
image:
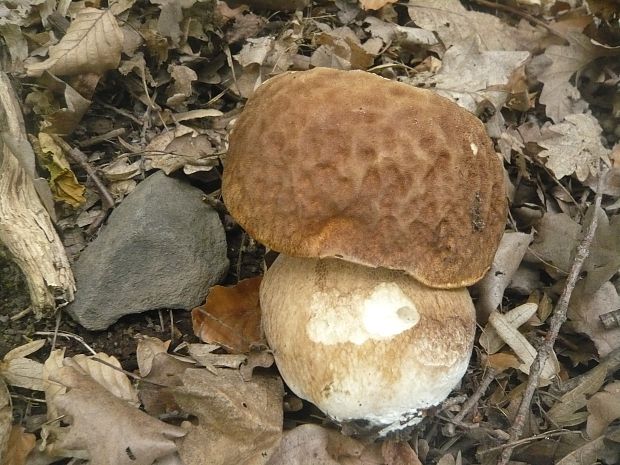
(314, 445)
(108, 374)
(491, 341)
(230, 316)
(502, 361)
(20, 371)
(19, 446)
(148, 348)
(507, 259)
(92, 44)
(63, 183)
(203, 354)
(604, 408)
(239, 422)
(524, 350)
(110, 430)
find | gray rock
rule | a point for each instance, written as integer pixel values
(163, 247)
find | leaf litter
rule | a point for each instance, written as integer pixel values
(543, 76)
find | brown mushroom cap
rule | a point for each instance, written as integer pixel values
(365, 343)
(328, 163)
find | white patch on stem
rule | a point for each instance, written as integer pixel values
(338, 318)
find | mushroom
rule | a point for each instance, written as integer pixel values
(385, 201)
(365, 343)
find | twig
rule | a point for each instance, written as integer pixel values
(470, 403)
(103, 137)
(486, 381)
(68, 336)
(555, 322)
(545, 435)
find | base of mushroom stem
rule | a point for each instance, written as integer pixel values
(399, 430)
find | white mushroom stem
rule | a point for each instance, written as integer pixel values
(365, 343)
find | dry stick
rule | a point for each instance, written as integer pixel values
(489, 376)
(556, 321)
(103, 137)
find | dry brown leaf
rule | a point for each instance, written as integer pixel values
(490, 340)
(586, 454)
(181, 88)
(523, 349)
(448, 459)
(203, 354)
(562, 412)
(110, 430)
(399, 453)
(314, 445)
(375, 4)
(92, 44)
(108, 374)
(405, 36)
(340, 48)
(584, 311)
(148, 348)
(239, 422)
(52, 389)
(553, 246)
(603, 262)
(72, 106)
(19, 446)
(474, 77)
(166, 372)
(122, 169)
(230, 316)
(604, 407)
(560, 97)
(20, 371)
(454, 23)
(502, 361)
(181, 147)
(62, 180)
(574, 146)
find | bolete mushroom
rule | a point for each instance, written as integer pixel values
(392, 200)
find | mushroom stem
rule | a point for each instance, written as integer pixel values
(365, 343)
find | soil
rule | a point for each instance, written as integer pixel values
(119, 339)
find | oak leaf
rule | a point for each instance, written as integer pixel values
(92, 44)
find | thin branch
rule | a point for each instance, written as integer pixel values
(488, 378)
(102, 137)
(555, 322)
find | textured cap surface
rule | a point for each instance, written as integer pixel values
(328, 163)
(364, 343)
